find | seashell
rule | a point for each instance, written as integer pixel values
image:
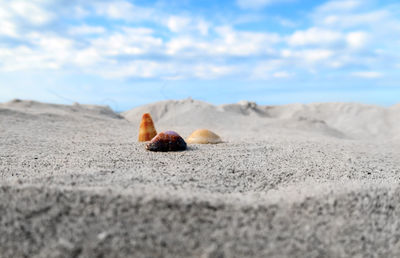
(146, 129)
(167, 141)
(203, 136)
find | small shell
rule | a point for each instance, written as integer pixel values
(203, 136)
(146, 129)
(167, 141)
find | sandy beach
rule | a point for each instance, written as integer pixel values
(298, 180)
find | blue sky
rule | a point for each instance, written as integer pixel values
(128, 53)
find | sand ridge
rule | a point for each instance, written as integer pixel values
(342, 120)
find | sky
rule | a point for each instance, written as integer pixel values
(127, 53)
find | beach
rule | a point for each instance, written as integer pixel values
(297, 180)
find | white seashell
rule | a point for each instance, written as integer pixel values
(203, 136)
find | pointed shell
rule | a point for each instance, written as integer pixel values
(146, 129)
(167, 141)
(203, 136)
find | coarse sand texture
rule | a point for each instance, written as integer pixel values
(298, 180)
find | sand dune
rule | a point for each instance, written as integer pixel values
(299, 180)
(37, 108)
(342, 120)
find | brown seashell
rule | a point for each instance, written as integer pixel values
(203, 136)
(146, 129)
(167, 141)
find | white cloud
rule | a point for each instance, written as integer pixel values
(177, 23)
(86, 30)
(124, 10)
(24, 58)
(243, 43)
(282, 74)
(314, 36)
(203, 27)
(342, 34)
(49, 42)
(7, 25)
(8, 29)
(353, 20)
(356, 15)
(308, 55)
(116, 10)
(16, 15)
(228, 43)
(316, 55)
(357, 39)
(132, 41)
(50, 51)
(87, 57)
(168, 71)
(187, 25)
(31, 12)
(180, 44)
(367, 74)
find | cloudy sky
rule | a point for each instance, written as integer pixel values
(126, 53)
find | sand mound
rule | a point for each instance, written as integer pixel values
(246, 108)
(38, 108)
(353, 119)
(342, 120)
(176, 113)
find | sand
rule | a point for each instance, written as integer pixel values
(314, 180)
